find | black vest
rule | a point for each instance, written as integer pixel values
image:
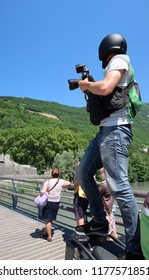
(100, 107)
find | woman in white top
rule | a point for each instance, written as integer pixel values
(53, 187)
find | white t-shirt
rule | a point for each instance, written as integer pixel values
(55, 193)
(119, 62)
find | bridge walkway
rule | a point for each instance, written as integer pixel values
(21, 238)
(21, 224)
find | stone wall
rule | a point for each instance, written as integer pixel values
(10, 167)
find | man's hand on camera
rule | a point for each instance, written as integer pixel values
(83, 84)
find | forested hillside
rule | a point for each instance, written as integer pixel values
(45, 134)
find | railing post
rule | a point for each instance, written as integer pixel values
(14, 197)
(39, 213)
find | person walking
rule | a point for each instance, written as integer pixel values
(54, 187)
(109, 148)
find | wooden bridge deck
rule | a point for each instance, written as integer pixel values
(21, 238)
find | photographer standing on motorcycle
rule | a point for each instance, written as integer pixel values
(109, 148)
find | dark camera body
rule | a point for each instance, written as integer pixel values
(73, 84)
(80, 68)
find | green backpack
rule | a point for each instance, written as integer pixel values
(135, 103)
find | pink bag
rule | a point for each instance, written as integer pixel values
(41, 200)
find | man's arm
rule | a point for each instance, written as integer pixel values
(103, 87)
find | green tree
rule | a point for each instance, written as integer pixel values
(65, 162)
(138, 168)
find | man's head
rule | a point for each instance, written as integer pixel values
(113, 43)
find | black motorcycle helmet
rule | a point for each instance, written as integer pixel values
(113, 43)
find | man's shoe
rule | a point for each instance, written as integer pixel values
(92, 228)
(131, 256)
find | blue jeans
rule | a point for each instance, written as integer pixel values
(109, 149)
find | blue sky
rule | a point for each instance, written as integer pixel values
(41, 41)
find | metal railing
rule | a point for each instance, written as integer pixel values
(19, 193)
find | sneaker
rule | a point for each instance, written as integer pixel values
(93, 227)
(131, 256)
